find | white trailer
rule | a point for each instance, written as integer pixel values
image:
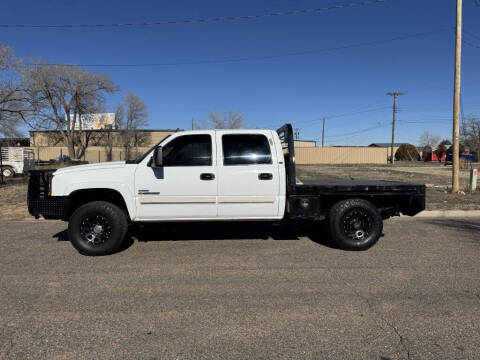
(16, 160)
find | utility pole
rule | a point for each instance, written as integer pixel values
(193, 124)
(297, 133)
(456, 100)
(394, 95)
(323, 132)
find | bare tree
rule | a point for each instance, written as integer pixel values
(442, 148)
(12, 105)
(132, 116)
(119, 116)
(59, 96)
(228, 120)
(470, 134)
(428, 139)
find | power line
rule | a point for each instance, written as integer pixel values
(471, 34)
(358, 112)
(201, 20)
(344, 114)
(361, 131)
(425, 121)
(253, 58)
(466, 42)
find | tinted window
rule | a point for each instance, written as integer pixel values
(246, 149)
(188, 150)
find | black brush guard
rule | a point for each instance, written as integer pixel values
(39, 200)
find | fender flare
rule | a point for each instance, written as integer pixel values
(115, 186)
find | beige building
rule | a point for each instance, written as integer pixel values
(53, 138)
(49, 144)
(304, 143)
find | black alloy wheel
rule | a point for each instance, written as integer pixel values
(355, 224)
(98, 228)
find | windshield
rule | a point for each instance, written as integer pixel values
(141, 157)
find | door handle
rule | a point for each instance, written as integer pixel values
(207, 176)
(265, 176)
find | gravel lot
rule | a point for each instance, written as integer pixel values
(242, 292)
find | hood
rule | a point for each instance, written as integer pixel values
(104, 165)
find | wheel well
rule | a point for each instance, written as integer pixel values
(82, 197)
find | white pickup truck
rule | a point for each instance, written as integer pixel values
(213, 175)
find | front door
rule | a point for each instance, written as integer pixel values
(248, 173)
(185, 187)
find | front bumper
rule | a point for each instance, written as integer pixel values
(50, 207)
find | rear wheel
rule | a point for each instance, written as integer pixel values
(8, 172)
(355, 224)
(97, 228)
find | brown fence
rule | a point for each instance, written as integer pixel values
(341, 155)
(303, 155)
(94, 154)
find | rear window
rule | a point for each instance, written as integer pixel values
(246, 149)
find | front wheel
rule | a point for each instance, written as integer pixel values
(97, 228)
(355, 224)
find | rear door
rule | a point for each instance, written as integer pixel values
(248, 175)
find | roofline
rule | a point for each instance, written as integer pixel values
(387, 144)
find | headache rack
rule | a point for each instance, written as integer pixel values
(285, 133)
(39, 199)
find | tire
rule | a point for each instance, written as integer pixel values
(355, 224)
(8, 172)
(98, 228)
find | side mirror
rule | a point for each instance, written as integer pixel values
(157, 158)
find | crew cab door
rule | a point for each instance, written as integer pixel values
(248, 175)
(186, 186)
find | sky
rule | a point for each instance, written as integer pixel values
(338, 64)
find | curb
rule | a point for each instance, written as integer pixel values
(448, 214)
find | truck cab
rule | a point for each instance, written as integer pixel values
(213, 175)
(210, 175)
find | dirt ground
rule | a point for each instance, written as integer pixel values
(13, 197)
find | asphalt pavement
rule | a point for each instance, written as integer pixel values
(242, 291)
